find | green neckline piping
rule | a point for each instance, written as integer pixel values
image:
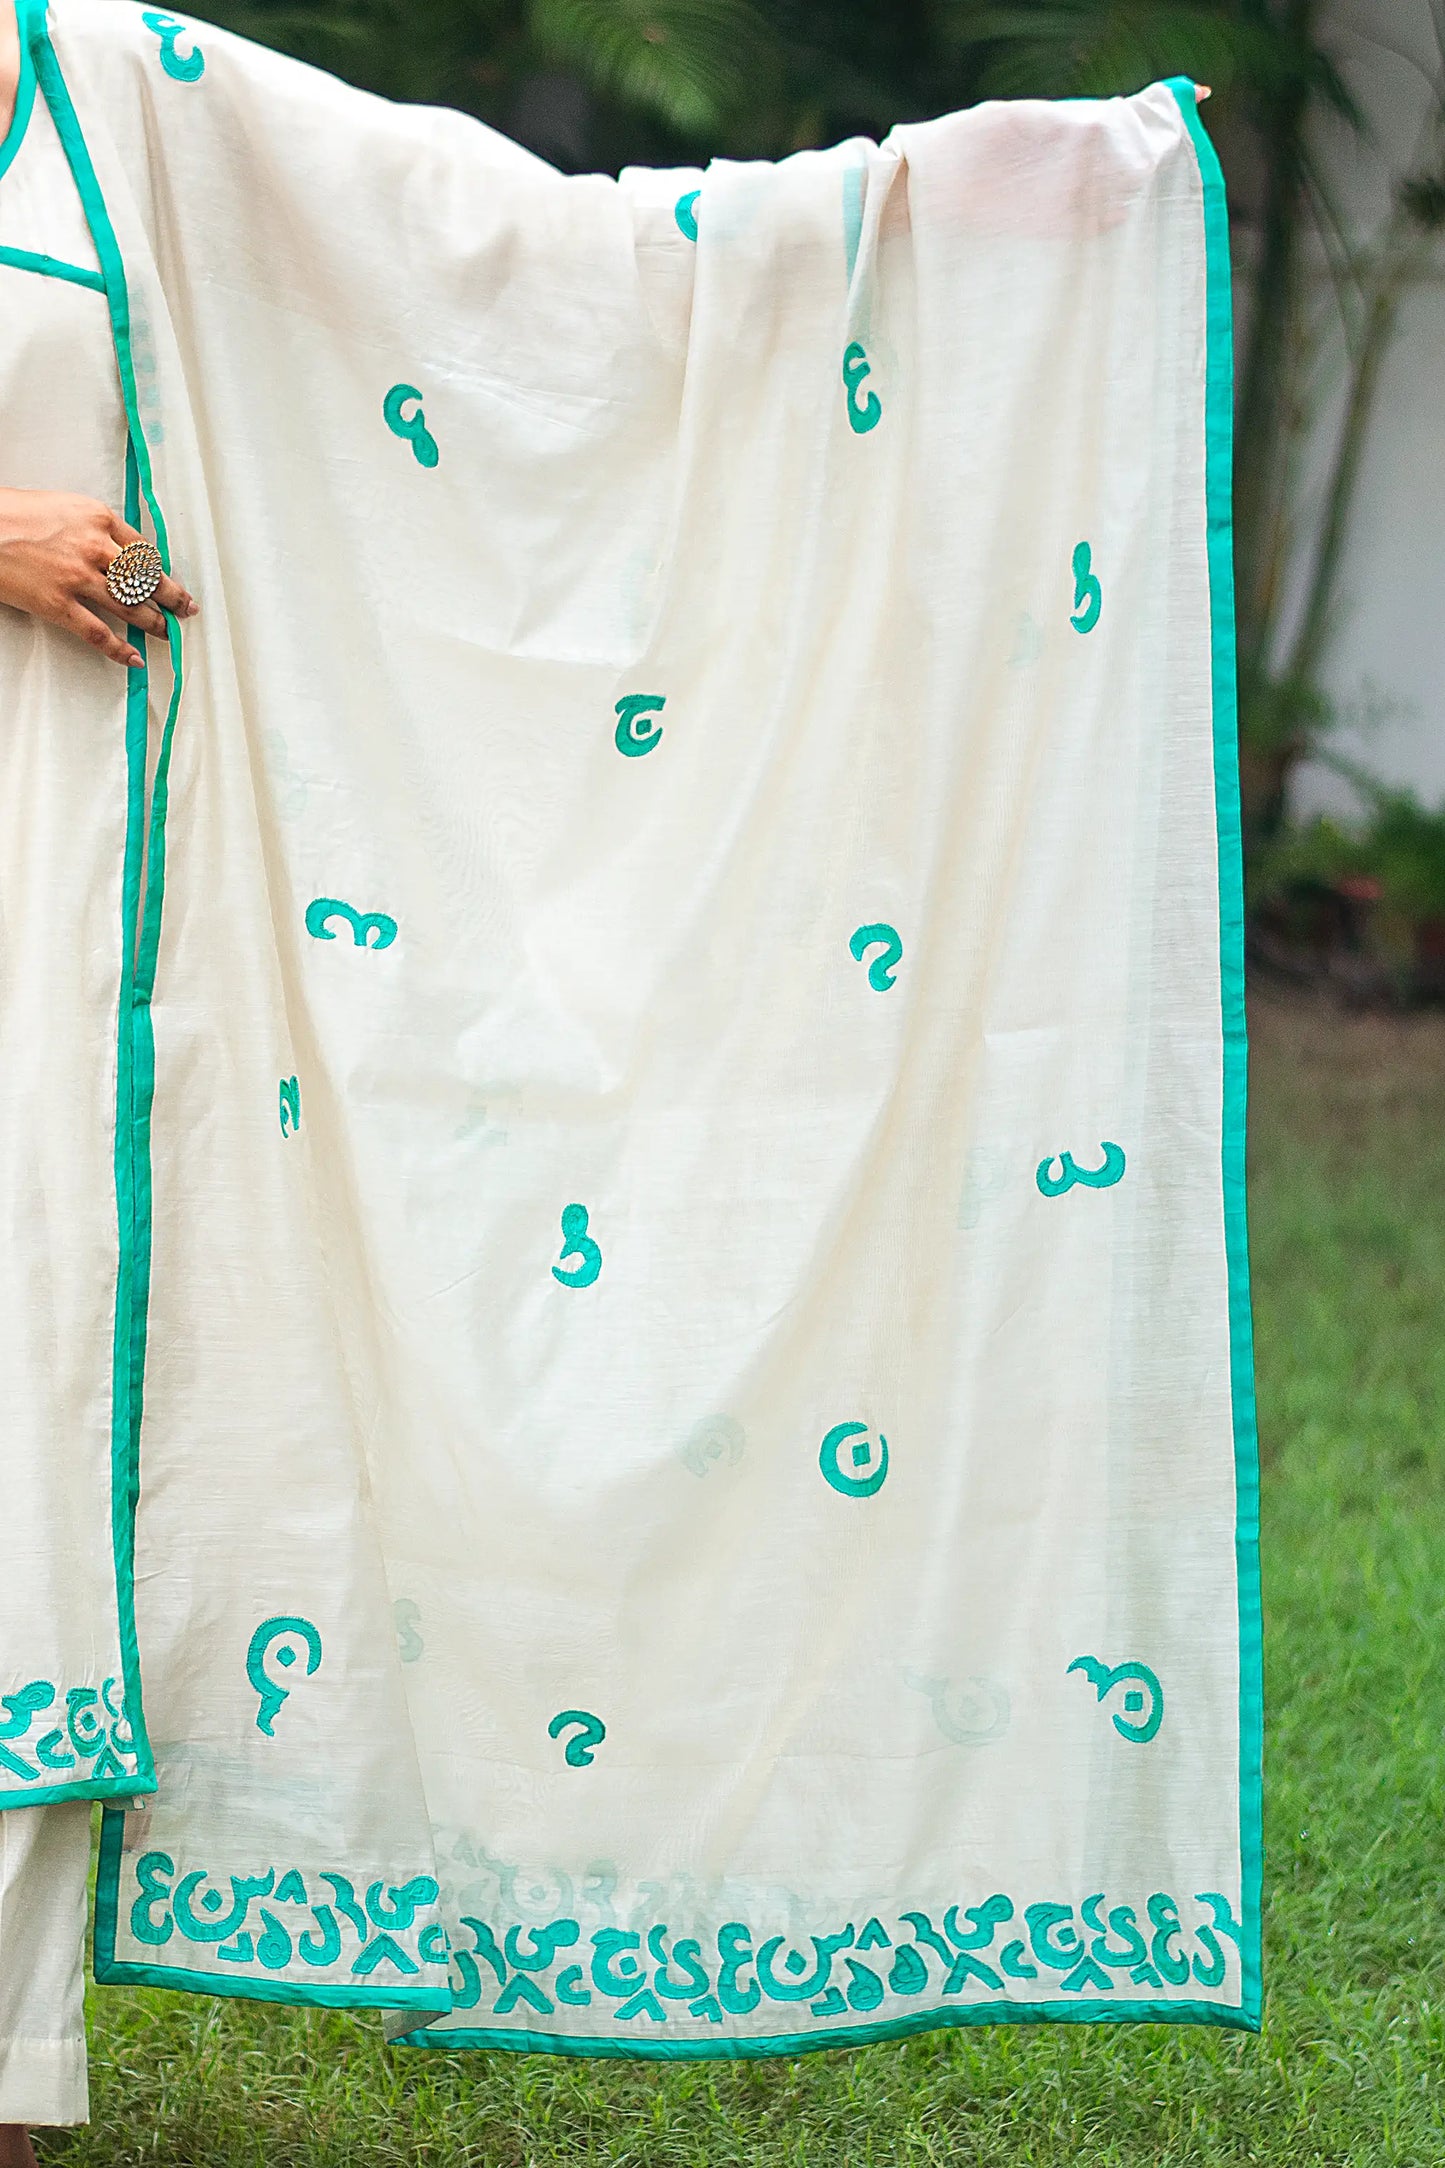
(50, 267)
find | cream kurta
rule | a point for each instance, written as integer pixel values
(686, 1266)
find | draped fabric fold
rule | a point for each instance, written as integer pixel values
(630, 1416)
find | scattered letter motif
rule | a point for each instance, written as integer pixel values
(1055, 1185)
(1142, 1711)
(181, 67)
(411, 428)
(588, 1732)
(283, 1635)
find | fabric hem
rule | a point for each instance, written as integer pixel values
(44, 2084)
(101, 1788)
(842, 2036)
(1219, 473)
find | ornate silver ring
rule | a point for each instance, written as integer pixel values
(133, 576)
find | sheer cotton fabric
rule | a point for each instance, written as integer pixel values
(694, 1464)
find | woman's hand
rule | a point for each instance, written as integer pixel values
(54, 553)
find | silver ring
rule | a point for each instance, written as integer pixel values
(133, 575)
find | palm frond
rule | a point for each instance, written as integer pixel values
(693, 62)
(1099, 48)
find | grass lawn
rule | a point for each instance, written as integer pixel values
(1349, 1273)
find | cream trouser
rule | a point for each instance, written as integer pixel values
(44, 1864)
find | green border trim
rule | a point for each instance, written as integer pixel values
(50, 267)
(111, 1971)
(142, 891)
(24, 89)
(1093, 2012)
(1219, 476)
(55, 1795)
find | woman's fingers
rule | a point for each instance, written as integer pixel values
(95, 595)
(88, 627)
(170, 594)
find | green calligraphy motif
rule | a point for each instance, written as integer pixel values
(882, 968)
(281, 1633)
(716, 1438)
(685, 212)
(1088, 594)
(863, 1484)
(577, 1243)
(21, 1709)
(591, 1731)
(94, 1731)
(411, 428)
(636, 733)
(205, 1911)
(1094, 1949)
(218, 1925)
(1171, 1965)
(290, 1105)
(865, 413)
(971, 1714)
(183, 68)
(84, 1727)
(1112, 1171)
(362, 923)
(152, 1876)
(406, 1617)
(1134, 1724)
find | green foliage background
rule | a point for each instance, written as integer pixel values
(597, 84)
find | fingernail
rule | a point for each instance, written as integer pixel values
(134, 661)
(193, 608)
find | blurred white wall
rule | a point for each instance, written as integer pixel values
(1386, 670)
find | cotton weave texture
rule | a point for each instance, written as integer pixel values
(622, 1070)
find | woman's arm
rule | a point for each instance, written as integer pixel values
(54, 551)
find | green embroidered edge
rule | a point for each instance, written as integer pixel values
(50, 267)
(1093, 2012)
(111, 1971)
(1219, 476)
(24, 89)
(141, 900)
